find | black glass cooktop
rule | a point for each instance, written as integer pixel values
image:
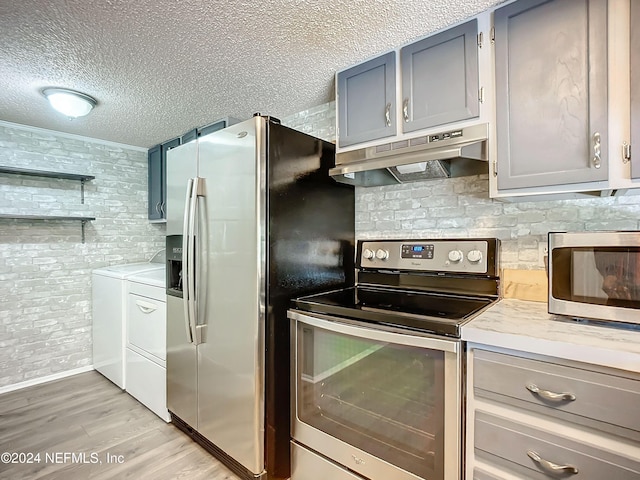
(438, 313)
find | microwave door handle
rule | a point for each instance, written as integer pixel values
(186, 277)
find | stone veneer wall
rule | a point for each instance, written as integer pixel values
(45, 269)
(461, 207)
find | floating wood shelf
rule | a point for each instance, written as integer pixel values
(48, 174)
(83, 220)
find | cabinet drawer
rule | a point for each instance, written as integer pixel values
(605, 398)
(512, 444)
(147, 382)
(147, 325)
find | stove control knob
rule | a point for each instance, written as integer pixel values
(455, 256)
(368, 254)
(474, 256)
(382, 254)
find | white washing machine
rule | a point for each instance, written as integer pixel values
(146, 350)
(109, 304)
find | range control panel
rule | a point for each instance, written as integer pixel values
(447, 256)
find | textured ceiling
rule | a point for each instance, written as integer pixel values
(161, 67)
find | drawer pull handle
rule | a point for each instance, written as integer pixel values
(146, 307)
(551, 467)
(551, 396)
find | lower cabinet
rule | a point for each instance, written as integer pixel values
(539, 417)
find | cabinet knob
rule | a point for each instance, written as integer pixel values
(387, 114)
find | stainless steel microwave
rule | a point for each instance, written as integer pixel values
(595, 275)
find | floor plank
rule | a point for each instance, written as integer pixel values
(79, 423)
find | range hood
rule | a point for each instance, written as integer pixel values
(454, 153)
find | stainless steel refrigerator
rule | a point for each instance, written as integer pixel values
(253, 220)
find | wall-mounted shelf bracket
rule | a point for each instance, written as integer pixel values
(48, 174)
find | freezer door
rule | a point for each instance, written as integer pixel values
(181, 353)
(230, 292)
(181, 166)
(181, 365)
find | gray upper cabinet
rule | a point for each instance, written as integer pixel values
(635, 88)
(366, 101)
(157, 179)
(440, 78)
(551, 92)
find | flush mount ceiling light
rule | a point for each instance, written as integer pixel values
(69, 102)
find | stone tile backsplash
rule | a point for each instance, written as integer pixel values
(461, 207)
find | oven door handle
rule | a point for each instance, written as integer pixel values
(372, 333)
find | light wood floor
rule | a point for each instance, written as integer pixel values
(88, 416)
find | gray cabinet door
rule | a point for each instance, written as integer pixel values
(635, 88)
(157, 179)
(366, 101)
(440, 78)
(551, 92)
(155, 183)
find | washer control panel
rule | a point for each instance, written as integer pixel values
(454, 256)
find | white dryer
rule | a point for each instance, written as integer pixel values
(109, 304)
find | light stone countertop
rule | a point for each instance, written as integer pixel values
(526, 326)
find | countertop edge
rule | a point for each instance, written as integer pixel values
(503, 326)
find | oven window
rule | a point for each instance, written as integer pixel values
(599, 276)
(385, 399)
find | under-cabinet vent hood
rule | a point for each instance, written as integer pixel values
(454, 153)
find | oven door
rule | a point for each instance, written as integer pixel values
(381, 402)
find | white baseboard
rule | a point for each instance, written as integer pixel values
(48, 378)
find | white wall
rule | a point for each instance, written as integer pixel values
(45, 269)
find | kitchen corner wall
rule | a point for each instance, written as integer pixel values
(461, 207)
(45, 269)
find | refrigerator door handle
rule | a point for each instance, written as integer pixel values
(198, 264)
(186, 277)
(191, 257)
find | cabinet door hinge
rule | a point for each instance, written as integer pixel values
(626, 152)
(480, 39)
(493, 35)
(481, 95)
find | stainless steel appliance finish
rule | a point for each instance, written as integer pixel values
(250, 224)
(449, 153)
(595, 275)
(377, 372)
